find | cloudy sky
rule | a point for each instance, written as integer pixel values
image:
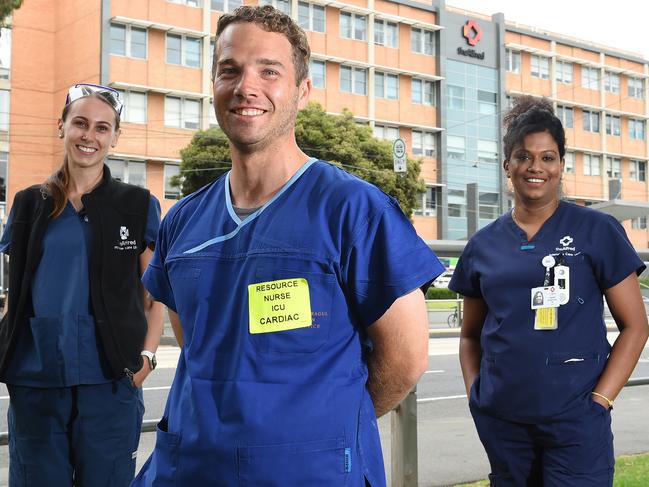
(622, 24)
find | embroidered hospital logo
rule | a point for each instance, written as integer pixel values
(565, 241)
(124, 243)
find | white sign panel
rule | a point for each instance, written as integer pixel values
(399, 155)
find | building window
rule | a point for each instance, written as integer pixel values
(428, 205)
(191, 3)
(171, 192)
(592, 165)
(637, 170)
(4, 157)
(132, 172)
(353, 26)
(487, 151)
(126, 40)
(612, 125)
(569, 162)
(488, 206)
(487, 102)
(636, 129)
(456, 203)
(513, 61)
(5, 53)
(423, 92)
(353, 80)
(636, 88)
(4, 111)
(612, 82)
(613, 167)
(182, 112)
(184, 50)
(213, 120)
(455, 97)
(422, 41)
(590, 121)
(639, 223)
(563, 72)
(455, 147)
(385, 132)
(311, 17)
(590, 78)
(134, 110)
(281, 5)
(225, 5)
(318, 73)
(386, 85)
(423, 144)
(566, 115)
(386, 33)
(540, 67)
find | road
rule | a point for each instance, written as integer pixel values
(449, 450)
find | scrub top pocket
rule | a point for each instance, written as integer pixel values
(301, 340)
(322, 463)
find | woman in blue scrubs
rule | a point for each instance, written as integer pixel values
(540, 374)
(77, 340)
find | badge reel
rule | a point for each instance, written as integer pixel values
(546, 299)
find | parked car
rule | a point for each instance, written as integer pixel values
(443, 279)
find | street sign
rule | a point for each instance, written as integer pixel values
(399, 155)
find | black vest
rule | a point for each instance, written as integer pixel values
(117, 214)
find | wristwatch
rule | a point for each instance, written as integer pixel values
(151, 356)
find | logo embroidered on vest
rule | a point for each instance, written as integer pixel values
(124, 243)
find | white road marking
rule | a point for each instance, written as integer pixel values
(440, 398)
(434, 372)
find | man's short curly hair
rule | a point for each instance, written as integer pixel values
(271, 20)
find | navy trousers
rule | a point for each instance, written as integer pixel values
(574, 450)
(86, 435)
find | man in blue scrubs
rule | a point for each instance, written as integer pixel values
(279, 276)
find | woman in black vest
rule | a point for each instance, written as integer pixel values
(79, 335)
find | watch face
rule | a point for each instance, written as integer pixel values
(154, 362)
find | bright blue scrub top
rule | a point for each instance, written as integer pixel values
(531, 375)
(59, 348)
(290, 407)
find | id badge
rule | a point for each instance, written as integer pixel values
(545, 302)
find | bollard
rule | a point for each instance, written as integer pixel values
(404, 442)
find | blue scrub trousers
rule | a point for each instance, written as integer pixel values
(573, 450)
(85, 435)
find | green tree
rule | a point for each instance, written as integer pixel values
(6, 7)
(335, 138)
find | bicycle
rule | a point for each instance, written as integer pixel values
(454, 320)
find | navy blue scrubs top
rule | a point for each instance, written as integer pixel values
(59, 348)
(527, 374)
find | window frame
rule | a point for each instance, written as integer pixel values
(428, 147)
(353, 18)
(636, 92)
(386, 85)
(128, 38)
(353, 70)
(614, 129)
(611, 82)
(636, 129)
(562, 114)
(591, 158)
(311, 21)
(422, 44)
(613, 167)
(513, 61)
(183, 119)
(587, 80)
(126, 111)
(421, 100)
(324, 77)
(542, 67)
(183, 50)
(386, 23)
(569, 162)
(591, 116)
(561, 71)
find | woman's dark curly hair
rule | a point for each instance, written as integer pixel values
(531, 115)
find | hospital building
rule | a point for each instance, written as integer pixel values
(435, 76)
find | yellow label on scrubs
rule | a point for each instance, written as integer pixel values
(546, 319)
(279, 305)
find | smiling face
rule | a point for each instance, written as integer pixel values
(256, 96)
(89, 130)
(535, 169)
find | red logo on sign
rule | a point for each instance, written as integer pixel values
(472, 32)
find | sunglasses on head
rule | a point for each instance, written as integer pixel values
(81, 90)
